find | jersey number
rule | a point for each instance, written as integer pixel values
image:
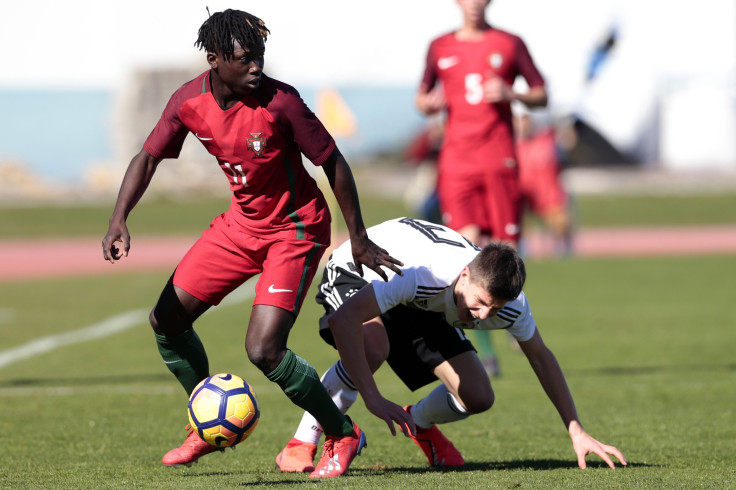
(430, 232)
(474, 88)
(237, 174)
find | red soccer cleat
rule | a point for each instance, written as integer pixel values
(436, 447)
(338, 452)
(297, 457)
(189, 452)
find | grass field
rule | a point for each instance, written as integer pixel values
(647, 346)
(169, 216)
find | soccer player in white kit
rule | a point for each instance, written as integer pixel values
(415, 321)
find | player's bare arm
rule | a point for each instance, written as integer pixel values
(137, 177)
(346, 325)
(365, 252)
(496, 90)
(550, 375)
(430, 101)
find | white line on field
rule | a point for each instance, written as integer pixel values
(111, 326)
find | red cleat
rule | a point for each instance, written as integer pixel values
(436, 447)
(338, 452)
(189, 452)
(297, 457)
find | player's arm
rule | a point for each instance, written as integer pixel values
(365, 252)
(136, 180)
(496, 90)
(346, 325)
(430, 101)
(550, 375)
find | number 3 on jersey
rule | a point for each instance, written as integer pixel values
(473, 88)
(237, 173)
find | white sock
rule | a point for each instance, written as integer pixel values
(439, 407)
(343, 393)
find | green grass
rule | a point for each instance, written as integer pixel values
(646, 344)
(166, 216)
(614, 210)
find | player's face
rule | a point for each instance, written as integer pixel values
(242, 73)
(473, 10)
(474, 302)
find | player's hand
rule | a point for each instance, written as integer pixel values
(496, 90)
(431, 102)
(116, 233)
(365, 252)
(390, 412)
(584, 444)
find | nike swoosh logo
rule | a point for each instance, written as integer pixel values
(448, 62)
(272, 289)
(203, 139)
(172, 362)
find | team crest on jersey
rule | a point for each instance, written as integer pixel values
(257, 144)
(496, 60)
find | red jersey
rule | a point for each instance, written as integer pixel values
(539, 172)
(258, 143)
(478, 134)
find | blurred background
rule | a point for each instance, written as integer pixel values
(638, 310)
(647, 87)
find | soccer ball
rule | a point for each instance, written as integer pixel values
(223, 410)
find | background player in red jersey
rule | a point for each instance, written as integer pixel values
(539, 172)
(470, 73)
(278, 224)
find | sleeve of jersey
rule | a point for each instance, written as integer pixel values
(429, 78)
(524, 326)
(307, 130)
(397, 290)
(167, 138)
(526, 65)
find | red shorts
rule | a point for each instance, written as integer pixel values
(226, 256)
(541, 188)
(490, 200)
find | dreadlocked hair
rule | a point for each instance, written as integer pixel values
(221, 29)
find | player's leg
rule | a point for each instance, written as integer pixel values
(178, 343)
(298, 455)
(279, 295)
(461, 201)
(483, 341)
(335, 287)
(211, 269)
(420, 342)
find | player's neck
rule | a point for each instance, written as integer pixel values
(472, 31)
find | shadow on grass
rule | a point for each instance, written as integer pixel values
(523, 464)
(266, 479)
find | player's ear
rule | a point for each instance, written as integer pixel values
(212, 60)
(465, 274)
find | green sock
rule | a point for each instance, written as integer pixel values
(184, 355)
(484, 343)
(300, 382)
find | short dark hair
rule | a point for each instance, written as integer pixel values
(221, 29)
(498, 269)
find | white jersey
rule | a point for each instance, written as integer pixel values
(433, 257)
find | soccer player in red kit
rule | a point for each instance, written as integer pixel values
(539, 174)
(278, 224)
(470, 73)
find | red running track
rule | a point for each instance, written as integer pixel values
(67, 257)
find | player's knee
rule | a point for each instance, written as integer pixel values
(262, 357)
(478, 401)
